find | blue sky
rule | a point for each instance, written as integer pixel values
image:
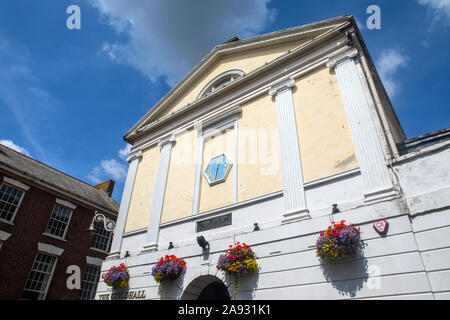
(67, 97)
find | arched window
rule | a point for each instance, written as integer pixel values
(220, 81)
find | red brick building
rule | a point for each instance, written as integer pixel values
(45, 215)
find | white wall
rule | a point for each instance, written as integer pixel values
(411, 262)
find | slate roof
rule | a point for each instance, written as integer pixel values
(38, 171)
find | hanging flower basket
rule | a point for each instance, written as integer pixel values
(168, 268)
(338, 241)
(238, 261)
(117, 277)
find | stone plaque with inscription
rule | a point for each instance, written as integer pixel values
(214, 223)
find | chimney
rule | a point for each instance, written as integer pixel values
(232, 40)
(107, 186)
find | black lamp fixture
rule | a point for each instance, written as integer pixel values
(256, 228)
(170, 245)
(335, 209)
(202, 242)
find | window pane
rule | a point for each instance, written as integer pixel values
(59, 221)
(101, 237)
(39, 277)
(90, 282)
(9, 200)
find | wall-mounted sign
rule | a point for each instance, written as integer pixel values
(214, 223)
(127, 295)
(381, 226)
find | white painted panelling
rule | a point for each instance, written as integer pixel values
(265, 214)
(314, 226)
(429, 201)
(424, 174)
(431, 220)
(440, 280)
(418, 296)
(433, 239)
(438, 259)
(321, 197)
(388, 285)
(400, 243)
(338, 272)
(442, 295)
(390, 245)
(375, 246)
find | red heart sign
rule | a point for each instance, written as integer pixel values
(381, 226)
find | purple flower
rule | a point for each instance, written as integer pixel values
(223, 261)
(168, 270)
(349, 238)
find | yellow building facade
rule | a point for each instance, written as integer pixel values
(256, 143)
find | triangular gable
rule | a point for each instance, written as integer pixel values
(245, 55)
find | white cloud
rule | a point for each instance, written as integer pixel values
(388, 64)
(12, 145)
(123, 153)
(108, 169)
(97, 175)
(439, 11)
(113, 168)
(166, 38)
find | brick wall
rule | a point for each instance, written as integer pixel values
(19, 251)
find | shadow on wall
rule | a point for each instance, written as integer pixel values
(348, 276)
(171, 289)
(247, 286)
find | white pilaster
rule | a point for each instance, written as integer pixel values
(116, 245)
(151, 240)
(372, 163)
(291, 167)
(198, 172)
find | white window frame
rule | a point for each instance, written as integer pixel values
(84, 281)
(50, 278)
(68, 222)
(211, 85)
(109, 240)
(14, 186)
(206, 130)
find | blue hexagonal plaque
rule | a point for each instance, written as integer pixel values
(217, 169)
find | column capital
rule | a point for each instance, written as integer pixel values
(341, 57)
(281, 85)
(168, 139)
(134, 155)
